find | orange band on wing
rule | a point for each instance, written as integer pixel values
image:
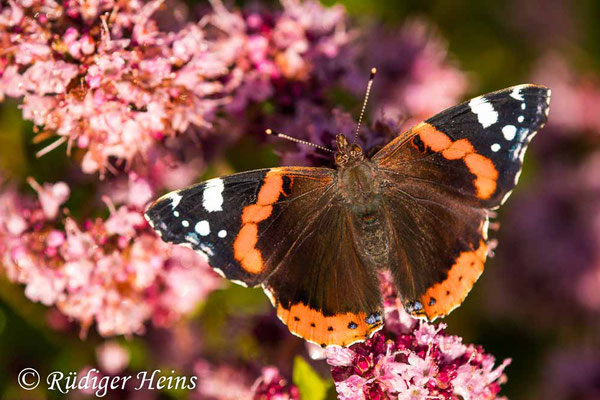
(434, 139)
(485, 171)
(270, 190)
(486, 174)
(342, 329)
(445, 296)
(244, 247)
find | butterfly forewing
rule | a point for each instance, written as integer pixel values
(476, 148)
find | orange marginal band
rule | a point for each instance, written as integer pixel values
(486, 175)
(244, 247)
(445, 296)
(340, 329)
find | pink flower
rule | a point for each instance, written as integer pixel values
(272, 386)
(112, 357)
(51, 196)
(221, 382)
(414, 361)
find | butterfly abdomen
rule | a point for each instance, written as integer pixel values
(359, 188)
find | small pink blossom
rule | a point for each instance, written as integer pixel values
(112, 357)
(272, 386)
(221, 382)
(51, 196)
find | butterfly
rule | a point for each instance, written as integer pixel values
(315, 238)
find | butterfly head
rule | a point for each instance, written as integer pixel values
(347, 154)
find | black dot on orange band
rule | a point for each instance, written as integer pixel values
(330, 329)
(296, 319)
(460, 278)
(418, 143)
(352, 325)
(312, 324)
(447, 293)
(431, 301)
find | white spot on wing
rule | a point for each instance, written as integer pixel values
(222, 233)
(220, 272)
(486, 115)
(176, 214)
(516, 93)
(521, 118)
(201, 253)
(185, 223)
(270, 296)
(175, 198)
(509, 132)
(517, 176)
(495, 147)
(506, 196)
(212, 198)
(205, 249)
(192, 238)
(485, 227)
(150, 222)
(203, 228)
(239, 282)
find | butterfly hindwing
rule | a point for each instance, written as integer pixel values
(324, 292)
(444, 175)
(280, 228)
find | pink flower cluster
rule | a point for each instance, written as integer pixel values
(108, 79)
(424, 363)
(272, 386)
(221, 382)
(413, 360)
(419, 78)
(114, 272)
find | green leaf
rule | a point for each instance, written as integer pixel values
(310, 384)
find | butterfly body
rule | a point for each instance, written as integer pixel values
(315, 239)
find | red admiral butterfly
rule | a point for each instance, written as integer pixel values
(314, 238)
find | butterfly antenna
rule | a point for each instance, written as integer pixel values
(365, 101)
(293, 139)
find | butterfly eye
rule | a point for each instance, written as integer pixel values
(356, 150)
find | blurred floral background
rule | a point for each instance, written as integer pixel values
(106, 104)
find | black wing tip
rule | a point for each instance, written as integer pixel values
(534, 88)
(158, 215)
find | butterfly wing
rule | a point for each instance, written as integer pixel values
(324, 292)
(444, 175)
(279, 228)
